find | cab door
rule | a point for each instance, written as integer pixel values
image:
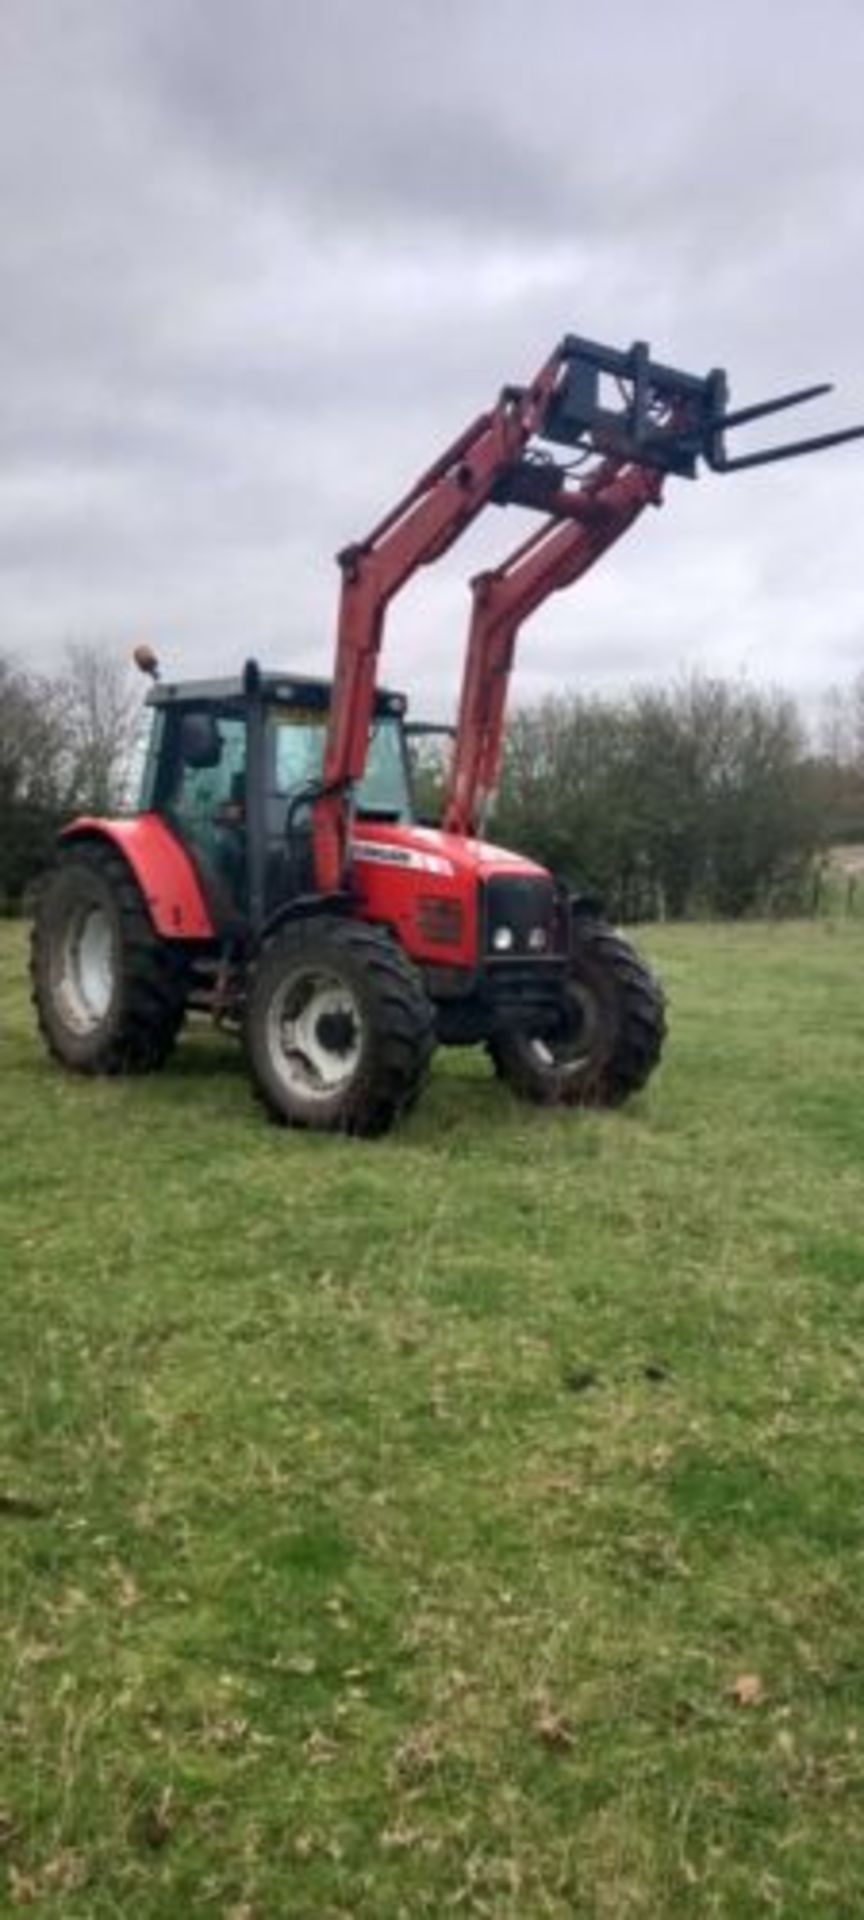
(202, 795)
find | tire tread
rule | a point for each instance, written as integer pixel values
(638, 1042)
(153, 971)
(403, 1028)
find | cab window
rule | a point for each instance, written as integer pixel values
(298, 761)
(204, 799)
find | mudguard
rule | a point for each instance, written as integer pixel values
(162, 868)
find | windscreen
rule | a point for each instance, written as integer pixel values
(298, 736)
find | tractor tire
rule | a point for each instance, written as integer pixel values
(339, 1030)
(109, 993)
(614, 1029)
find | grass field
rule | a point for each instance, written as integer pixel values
(470, 1522)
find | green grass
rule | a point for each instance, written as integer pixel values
(384, 1527)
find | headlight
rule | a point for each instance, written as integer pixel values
(502, 939)
(538, 939)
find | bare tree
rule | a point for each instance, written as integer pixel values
(34, 774)
(67, 745)
(841, 732)
(695, 797)
(102, 718)
(856, 720)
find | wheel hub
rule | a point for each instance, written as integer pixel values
(86, 968)
(336, 1032)
(316, 1034)
(570, 1046)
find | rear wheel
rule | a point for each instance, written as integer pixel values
(339, 1029)
(611, 1034)
(109, 993)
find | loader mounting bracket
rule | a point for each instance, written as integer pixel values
(624, 404)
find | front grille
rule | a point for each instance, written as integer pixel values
(522, 902)
(440, 919)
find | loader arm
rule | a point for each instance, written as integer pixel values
(640, 420)
(421, 527)
(585, 523)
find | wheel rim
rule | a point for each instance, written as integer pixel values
(315, 1034)
(85, 976)
(582, 1048)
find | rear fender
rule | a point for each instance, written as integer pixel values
(162, 868)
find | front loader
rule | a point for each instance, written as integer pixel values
(275, 876)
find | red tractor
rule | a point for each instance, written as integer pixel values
(275, 875)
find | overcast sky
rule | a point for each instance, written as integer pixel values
(260, 259)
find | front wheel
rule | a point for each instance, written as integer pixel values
(338, 1029)
(611, 1032)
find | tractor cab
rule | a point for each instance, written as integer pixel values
(234, 769)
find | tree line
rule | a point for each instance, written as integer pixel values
(707, 797)
(704, 797)
(66, 746)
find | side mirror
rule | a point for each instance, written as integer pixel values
(200, 741)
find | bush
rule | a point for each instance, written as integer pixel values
(670, 802)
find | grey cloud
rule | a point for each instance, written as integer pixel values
(258, 264)
(652, 123)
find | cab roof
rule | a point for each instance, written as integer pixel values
(276, 688)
